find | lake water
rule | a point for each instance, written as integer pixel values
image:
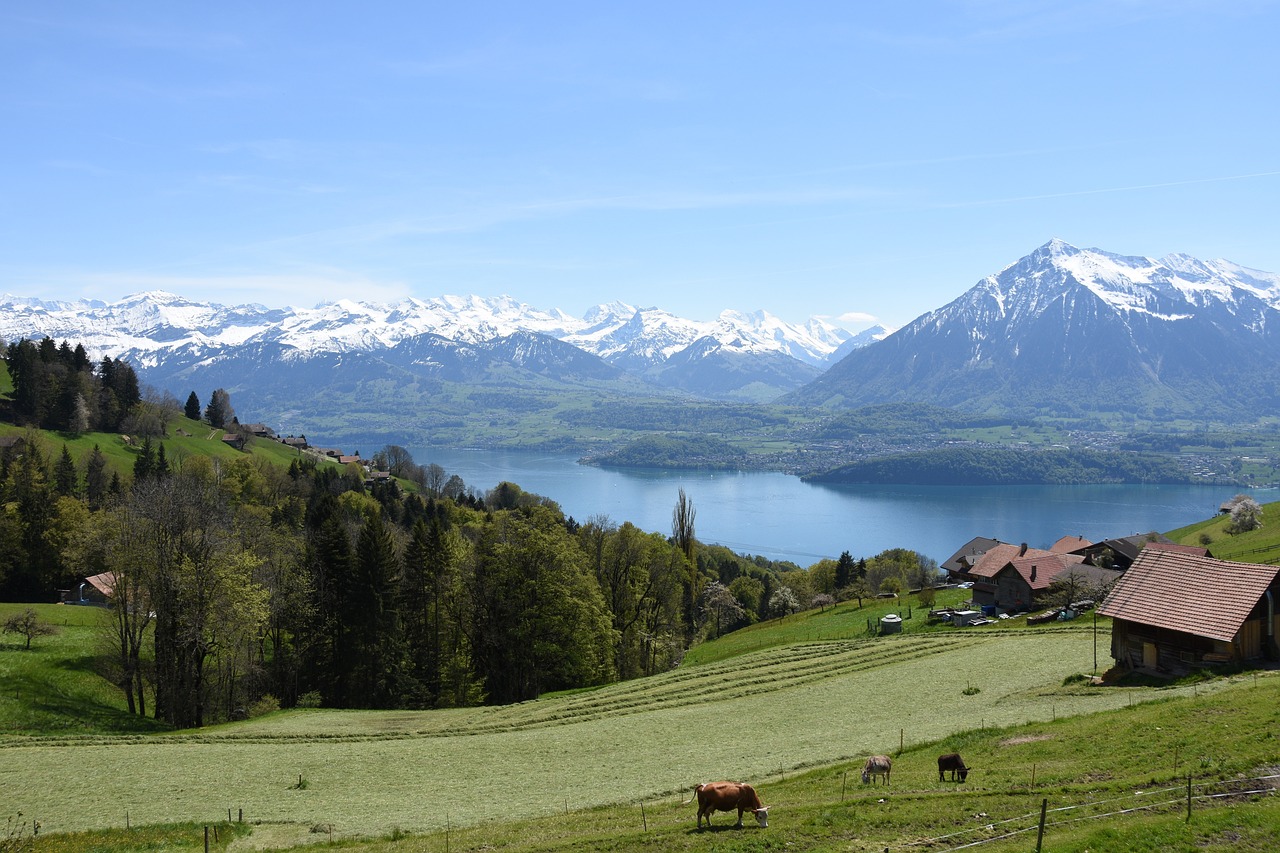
(783, 518)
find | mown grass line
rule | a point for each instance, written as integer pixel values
(417, 783)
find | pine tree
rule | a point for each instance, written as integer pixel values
(65, 479)
(373, 609)
(844, 570)
(95, 478)
(144, 466)
(192, 409)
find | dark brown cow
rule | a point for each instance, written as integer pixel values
(727, 796)
(953, 762)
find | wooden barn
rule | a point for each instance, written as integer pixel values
(1173, 610)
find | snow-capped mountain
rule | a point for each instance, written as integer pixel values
(168, 337)
(1071, 330)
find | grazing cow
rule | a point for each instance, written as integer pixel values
(953, 762)
(727, 796)
(877, 765)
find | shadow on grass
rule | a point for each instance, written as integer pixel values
(50, 707)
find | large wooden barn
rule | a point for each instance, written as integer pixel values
(1173, 610)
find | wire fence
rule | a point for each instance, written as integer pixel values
(1169, 799)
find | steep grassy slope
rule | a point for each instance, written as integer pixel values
(1255, 546)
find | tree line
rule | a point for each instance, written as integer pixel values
(240, 584)
(57, 387)
(1003, 466)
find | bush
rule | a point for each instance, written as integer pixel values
(265, 705)
(310, 699)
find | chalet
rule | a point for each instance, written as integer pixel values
(1120, 553)
(1172, 610)
(1020, 583)
(260, 430)
(11, 446)
(958, 565)
(297, 442)
(234, 439)
(984, 566)
(343, 460)
(92, 590)
(331, 452)
(1070, 545)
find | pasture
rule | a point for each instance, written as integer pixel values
(761, 716)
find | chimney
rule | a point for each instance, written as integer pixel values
(1033, 572)
(1023, 550)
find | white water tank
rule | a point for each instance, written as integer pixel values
(891, 624)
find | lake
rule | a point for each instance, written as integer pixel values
(780, 517)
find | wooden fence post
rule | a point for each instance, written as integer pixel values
(1188, 798)
(1044, 807)
(643, 818)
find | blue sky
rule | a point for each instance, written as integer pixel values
(865, 160)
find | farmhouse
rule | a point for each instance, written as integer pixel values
(1173, 609)
(92, 590)
(958, 565)
(1120, 553)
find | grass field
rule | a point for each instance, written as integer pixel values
(759, 716)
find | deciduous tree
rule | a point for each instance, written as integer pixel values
(28, 624)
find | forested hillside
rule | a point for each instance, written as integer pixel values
(276, 576)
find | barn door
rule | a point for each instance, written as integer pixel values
(1150, 655)
(1251, 640)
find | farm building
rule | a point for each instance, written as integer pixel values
(1174, 609)
(1120, 553)
(92, 590)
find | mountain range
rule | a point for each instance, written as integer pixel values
(1063, 331)
(172, 340)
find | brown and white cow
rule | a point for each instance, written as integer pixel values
(877, 765)
(953, 762)
(727, 796)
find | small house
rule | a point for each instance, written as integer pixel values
(95, 590)
(1120, 553)
(958, 565)
(234, 439)
(1172, 610)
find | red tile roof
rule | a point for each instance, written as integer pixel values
(1184, 592)
(1194, 550)
(990, 563)
(1047, 567)
(1067, 544)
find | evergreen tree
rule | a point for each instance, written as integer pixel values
(844, 570)
(161, 468)
(373, 615)
(219, 413)
(95, 478)
(65, 478)
(144, 466)
(192, 409)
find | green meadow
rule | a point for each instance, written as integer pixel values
(613, 768)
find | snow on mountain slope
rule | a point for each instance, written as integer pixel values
(154, 327)
(1064, 329)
